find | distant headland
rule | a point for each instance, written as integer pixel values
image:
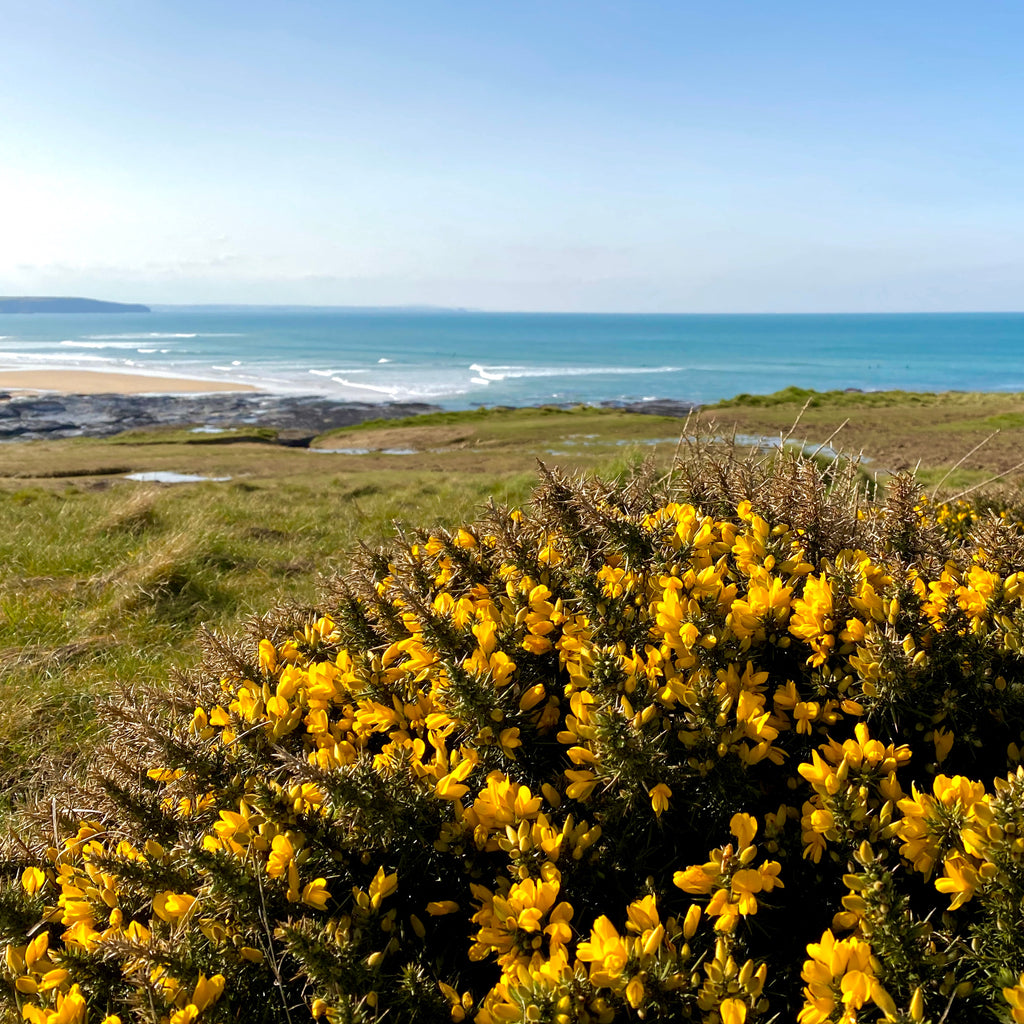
(49, 304)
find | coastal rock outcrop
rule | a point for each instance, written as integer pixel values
(298, 417)
(656, 407)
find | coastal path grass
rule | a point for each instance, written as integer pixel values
(896, 430)
(107, 581)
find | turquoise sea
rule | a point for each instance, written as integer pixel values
(465, 359)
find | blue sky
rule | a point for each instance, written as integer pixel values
(536, 154)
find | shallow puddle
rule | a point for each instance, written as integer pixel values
(163, 476)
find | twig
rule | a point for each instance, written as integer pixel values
(830, 437)
(767, 451)
(949, 1006)
(667, 480)
(799, 415)
(990, 480)
(270, 943)
(957, 465)
(248, 732)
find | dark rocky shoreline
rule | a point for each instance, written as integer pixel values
(26, 418)
(297, 418)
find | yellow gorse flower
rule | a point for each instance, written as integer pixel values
(509, 721)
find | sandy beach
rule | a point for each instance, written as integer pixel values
(95, 382)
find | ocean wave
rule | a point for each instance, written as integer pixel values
(390, 392)
(485, 376)
(488, 374)
(280, 378)
(409, 388)
(146, 335)
(59, 358)
(331, 373)
(101, 344)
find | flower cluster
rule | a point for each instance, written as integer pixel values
(611, 757)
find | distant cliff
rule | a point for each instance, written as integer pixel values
(47, 304)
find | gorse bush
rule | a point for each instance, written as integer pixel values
(738, 745)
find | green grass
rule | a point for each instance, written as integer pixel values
(109, 587)
(1000, 421)
(107, 582)
(177, 435)
(853, 399)
(515, 426)
(497, 442)
(490, 417)
(896, 430)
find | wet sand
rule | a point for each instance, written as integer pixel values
(95, 382)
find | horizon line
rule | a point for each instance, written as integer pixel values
(424, 307)
(429, 308)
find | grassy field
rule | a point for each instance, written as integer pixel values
(491, 442)
(107, 580)
(896, 430)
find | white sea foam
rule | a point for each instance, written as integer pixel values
(407, 390)
(100, 344)
(147, 351)
(391, 392)
(60, 358)
(163, 379)
(144, 335)
(516, 372)
(486, 376)
(383, 360)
